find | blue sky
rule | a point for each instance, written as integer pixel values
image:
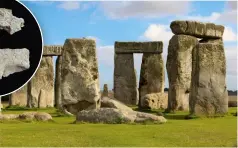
(108, 22)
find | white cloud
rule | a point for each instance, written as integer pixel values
(229, 34)
(93, 38)
(211, 18)
(69, 5)
(144, 9)
(158, 32)
(105, 55)
(229, 15)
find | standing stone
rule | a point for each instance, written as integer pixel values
(125, 87)
(80, 78)
(43, 81)
(209, 95)
(19, 97)
(137, 88)
(179, 68)
(58, 75)
(105, 91)
(152, 75)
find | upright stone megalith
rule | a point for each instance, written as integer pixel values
(152, 75)
(125, 87)
(105, 91)
(80, 79)
(19, 97)
(179, 69)
(58, 99)
(41, 86)
(209, 95)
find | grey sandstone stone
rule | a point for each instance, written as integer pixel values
(209, 94)
(55, 50)
(10, 23)
(105, 91)
(179, 69)
(113, 116)
(152, 74)
(111, 103)
(155, 101)
(19, 97)
(13, 60)
(80, 77)
(197, 29)
(125, 86)
(139, 47)
(41, 86)
(58, 75)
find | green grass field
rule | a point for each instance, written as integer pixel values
(176, 132)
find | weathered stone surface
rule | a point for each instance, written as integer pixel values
(41, 86)
(197, 29)
(209, 95)
(112, 116)
(13, 60)
(10, 23)
(80, 78)
(58, 75)
(39, 116)
(54, 50)
(155, 101)
(125, 87)
(111, 103)
(152, 74)
(105, 91)
(19, 97)
(179, 69)
(139, 47)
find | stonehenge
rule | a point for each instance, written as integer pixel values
(179, 69)
(125, 82)
(79, 76)
(196, 68)
(41, 86)
(19, 97)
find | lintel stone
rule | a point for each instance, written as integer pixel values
(139, 47)
(54, 50)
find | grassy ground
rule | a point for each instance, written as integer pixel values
(176, 132)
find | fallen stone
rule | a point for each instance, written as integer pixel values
(197, 29)
(139, 47)
(155, 101)
(41, 86)
(152, 74)
(19, 98)
(8, 117)
(179, 69)
(80, 78)
(209, 94)
(115, 116)
(111, 103)
(125, 86)
(13, 61)
(10, 23)
(39, 116)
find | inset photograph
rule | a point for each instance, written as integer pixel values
(20, 46)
